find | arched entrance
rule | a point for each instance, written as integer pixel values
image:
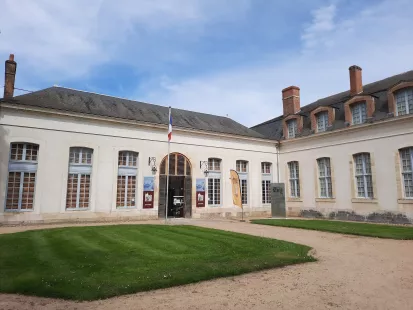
(180, 186)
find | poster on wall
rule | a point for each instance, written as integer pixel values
(148, 192)
(200, 193)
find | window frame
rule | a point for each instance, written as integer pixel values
(129, 172)
(22, 166)
(403, 172)
(326, 176)
(265, 186)
(292, 127)
(79, 170)
(405, 92)
(356, 107)
(322, 115)
(295, 179)
(213, 161)
(214, 175)
(364, 175)
(243, 176)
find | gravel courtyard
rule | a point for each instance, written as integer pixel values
(352, 273)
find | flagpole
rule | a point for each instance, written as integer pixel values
(167, 173)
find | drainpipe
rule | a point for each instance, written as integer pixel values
(278, 146)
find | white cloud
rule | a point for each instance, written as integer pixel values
(68, 38)
(377, 39)
(322, 24)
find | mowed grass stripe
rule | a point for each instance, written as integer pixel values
(351, 228)
(86, 263)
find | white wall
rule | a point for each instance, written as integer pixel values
(382, 140)
(56, 134)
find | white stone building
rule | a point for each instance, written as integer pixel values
(73, 155)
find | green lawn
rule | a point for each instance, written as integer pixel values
(351, 228)
(86, 263)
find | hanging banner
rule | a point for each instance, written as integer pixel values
(200, 193)
(148, 192)
(236, 190)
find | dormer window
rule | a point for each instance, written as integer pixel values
(404, 101)
(292, 128)
(358, 113)
(322, 121)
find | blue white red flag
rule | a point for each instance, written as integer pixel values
(170, 125)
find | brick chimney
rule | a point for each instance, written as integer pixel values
(291, 100)
(356, 85)
(9, 77)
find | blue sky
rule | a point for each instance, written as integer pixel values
(223, 57)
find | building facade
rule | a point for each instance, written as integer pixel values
(68, 155)
(348, 156)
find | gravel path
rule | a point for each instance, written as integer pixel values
(352, 273)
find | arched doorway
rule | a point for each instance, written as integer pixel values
(180, 186)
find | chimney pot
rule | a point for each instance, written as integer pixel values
(291, 100)
(9, 77)
(356, 84)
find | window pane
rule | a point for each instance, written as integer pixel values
(292, 128)
(406, 157)
(172, 158)
(242, 166)
(84, 191)
(28, 191)
(408, 185)
(181, 165)
(266, 198)
(214, 164)
(322, 121)
(359, 112)
(71, 196)
(120, 197)
(80, 155)
(13, 191)
(16, 152)
(214, 191)
(244, 192)
(31, 152)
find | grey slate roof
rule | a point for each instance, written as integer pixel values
(272, 129)
(69, 100)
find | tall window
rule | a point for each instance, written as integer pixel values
(294, 179)
(214, 182)
(292, 128)
(22, 176)
(127, 171)
(363, 175)
(406, 157)
(324, 177)
(266, 179)
(242, 169)
(322, 121)
(359, 113)
(78, 181)
(404, 101)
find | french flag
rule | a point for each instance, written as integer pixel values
(170, 125)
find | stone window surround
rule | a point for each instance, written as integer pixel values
(299, 119)
(317, 182)
(391, 98)
(370, 107)
(354, 197)
(404, 203)
(313, 116)
(288, 197)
